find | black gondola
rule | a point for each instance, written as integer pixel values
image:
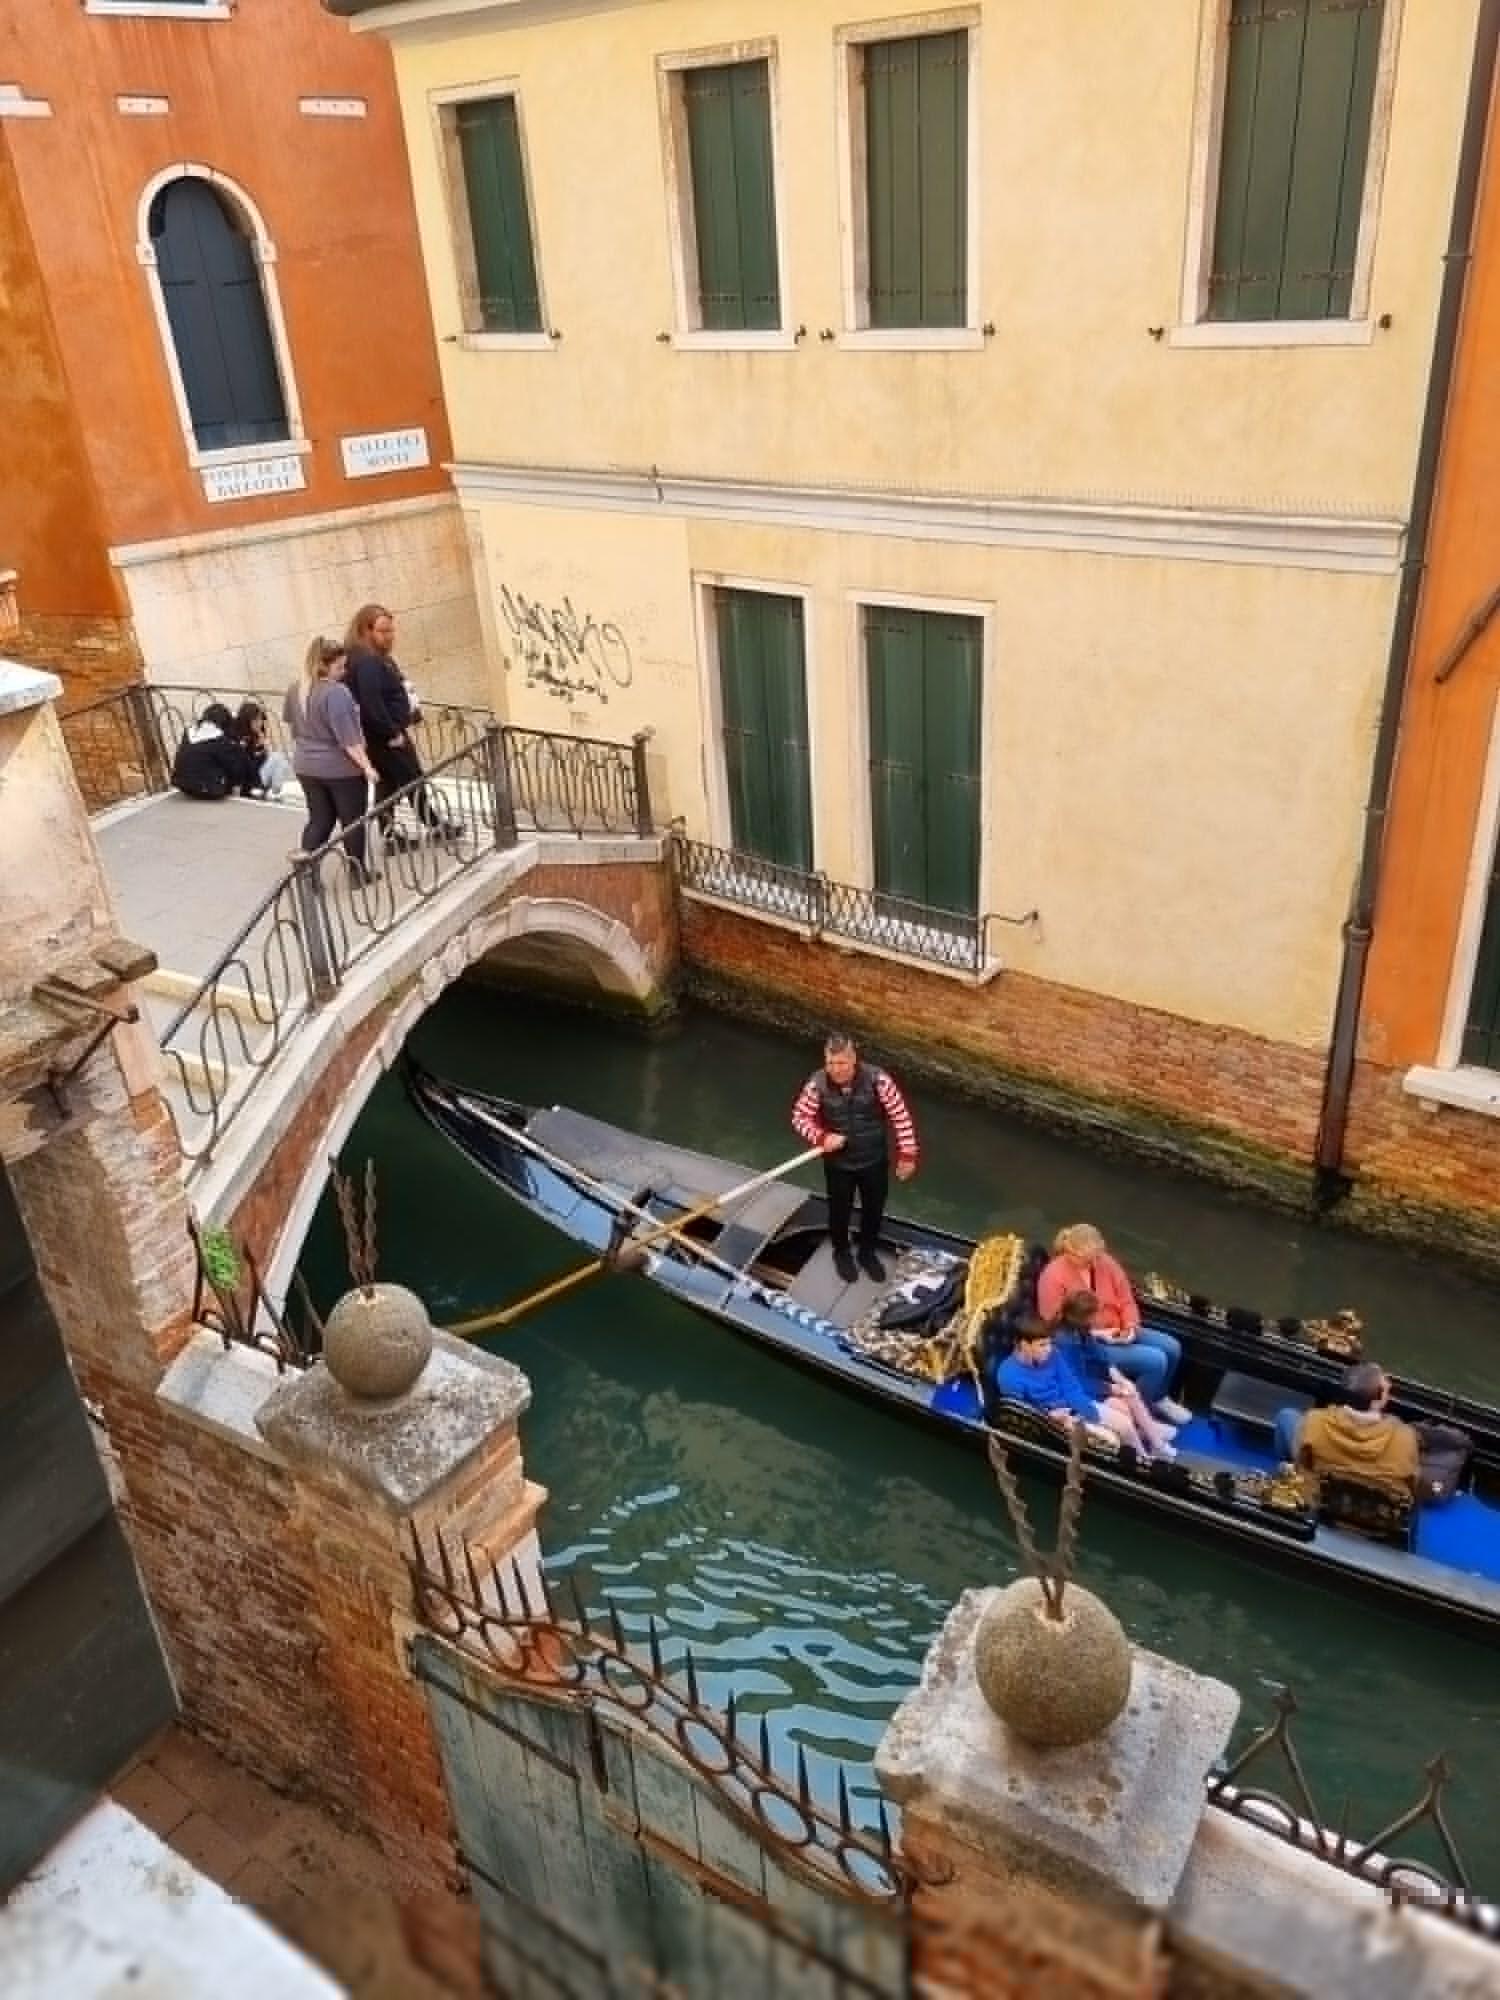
(762, 1266)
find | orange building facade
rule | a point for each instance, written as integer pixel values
(221, 405)
(1424, 1131)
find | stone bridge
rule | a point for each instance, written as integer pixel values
(284, 991)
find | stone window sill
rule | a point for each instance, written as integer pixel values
(1273, 333)
(1462, 1089)
(163, 10)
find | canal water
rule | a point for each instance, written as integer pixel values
(807, 1546)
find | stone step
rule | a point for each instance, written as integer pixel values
(179, 987)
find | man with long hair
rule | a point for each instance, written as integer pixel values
(385, 713)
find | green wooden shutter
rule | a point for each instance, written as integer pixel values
(489, 139)
(728, 108)
(1299, 93)
(917, 180)
(763, 695)
(1482, 1022)
(924, 690)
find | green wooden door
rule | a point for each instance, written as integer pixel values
(917, 179)
(763, 695)
(489, 139)
(1482, 1021)
(924, 691)
(1299, 93)
(728, 107)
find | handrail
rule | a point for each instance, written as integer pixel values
(955, 939)
(294, 951)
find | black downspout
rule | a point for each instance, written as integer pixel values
(1333, 1122)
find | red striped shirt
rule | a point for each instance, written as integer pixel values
(809, 1126)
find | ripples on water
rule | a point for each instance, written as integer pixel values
(806, 1545)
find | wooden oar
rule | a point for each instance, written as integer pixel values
(630, 1252)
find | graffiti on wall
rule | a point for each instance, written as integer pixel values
(566, 651)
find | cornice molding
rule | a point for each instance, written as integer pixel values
(1365, 544)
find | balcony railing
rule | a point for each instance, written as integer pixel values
(952, 939)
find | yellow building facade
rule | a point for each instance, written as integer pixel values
(976, 441)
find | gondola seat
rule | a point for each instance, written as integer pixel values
(1373, 1507)
(1249, 1401)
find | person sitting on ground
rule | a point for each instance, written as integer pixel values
(1038, 1374)
(210, 763)
(1092, 1362)
(252, 729)
(1357, 1436)
(1149, 1356)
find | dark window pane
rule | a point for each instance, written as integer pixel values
(728, 108)
(917, 180)
(924, 695)
(763, 696)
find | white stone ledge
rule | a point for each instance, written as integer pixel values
(25, 687)
(1461, 1089)
(221, 1389)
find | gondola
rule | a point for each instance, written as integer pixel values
(763, 1267)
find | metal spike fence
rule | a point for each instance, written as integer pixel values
(514, 1624)
(231, 1300)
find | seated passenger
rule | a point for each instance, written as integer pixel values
(1356, 1436)
(210, 762)
(1149, 1356)
(1037, 1374)
(1093, 1363)
(252, 730)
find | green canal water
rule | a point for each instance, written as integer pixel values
(807, 1546)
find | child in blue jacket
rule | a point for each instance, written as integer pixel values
(1039, 1374)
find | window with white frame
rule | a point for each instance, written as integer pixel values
(723, 181)
(911, 129)
(208, 262)
(1292, 145)
(489, 195)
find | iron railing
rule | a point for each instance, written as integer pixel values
(958, 941)
(123, 744)
(578, 784)
(1292, 1814)
(516, 1627)
(299, 944)
(230, 1299)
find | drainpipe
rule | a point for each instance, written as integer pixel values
(1331, 1181)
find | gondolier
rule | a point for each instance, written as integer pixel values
(851, 1110)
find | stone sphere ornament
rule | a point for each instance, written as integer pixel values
(377, 1341)
(1056, 1681)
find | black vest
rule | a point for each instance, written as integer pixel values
(857, 1113)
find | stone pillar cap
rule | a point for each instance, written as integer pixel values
(403, 1451)
(25, 687)
(1117, 1813)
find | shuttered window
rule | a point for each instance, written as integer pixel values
(763, 696)
(1299, 90)
(506, 298)
(728, 114)
(216, 311)
(1482, 1023)
(917, 180)
(924, 690)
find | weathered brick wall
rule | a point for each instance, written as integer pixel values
(1429, 1172)
(92, 655)
(1223, 1098)
(640, 895)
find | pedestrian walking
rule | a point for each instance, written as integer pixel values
(385, 712)
(852, 1110)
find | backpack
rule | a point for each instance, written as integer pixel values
(1443, 1455)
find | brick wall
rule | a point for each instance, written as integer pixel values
(1421, 1171)
(92, 655)
(1225, 1100)
(640, 895)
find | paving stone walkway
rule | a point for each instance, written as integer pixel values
(323, 1888)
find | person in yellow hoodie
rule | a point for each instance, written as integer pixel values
(1357, 1436)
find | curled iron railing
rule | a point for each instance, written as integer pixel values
(319, 921)
(491, 1611)
(230, 1299)
(908, 929)
(578, 784)
(123, 744)
(1291, 1813)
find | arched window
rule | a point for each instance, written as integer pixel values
(210, 278)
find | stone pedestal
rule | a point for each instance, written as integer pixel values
(1055, 1861)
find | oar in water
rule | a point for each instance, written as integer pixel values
(630, 1256)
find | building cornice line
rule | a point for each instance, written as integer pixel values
(132, 555)
(1368, 544)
